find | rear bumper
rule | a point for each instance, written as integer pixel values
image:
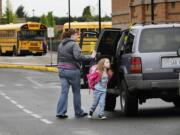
(136, 82)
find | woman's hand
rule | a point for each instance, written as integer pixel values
(93, 55)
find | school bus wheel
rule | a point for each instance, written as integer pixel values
(14, 51)
(0, 51)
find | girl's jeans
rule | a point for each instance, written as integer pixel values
(69, 78)
(98, 98)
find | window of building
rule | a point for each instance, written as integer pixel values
(173, 4)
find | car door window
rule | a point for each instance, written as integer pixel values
(129, 40)
(121, 43)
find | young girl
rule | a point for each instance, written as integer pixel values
(100, 88)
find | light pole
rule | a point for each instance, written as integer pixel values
(69, 9)
(99, 16)
(152, 11)
(33, 13)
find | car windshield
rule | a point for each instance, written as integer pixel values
(160, 40)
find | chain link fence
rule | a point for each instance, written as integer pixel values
(55, 44)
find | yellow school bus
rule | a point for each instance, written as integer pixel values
(90, 41)
(24, 38)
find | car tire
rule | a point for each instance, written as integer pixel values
(110, 102)
(176, 103)
(129, 103)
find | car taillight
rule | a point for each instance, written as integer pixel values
(136, 65)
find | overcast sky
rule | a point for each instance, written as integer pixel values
(60, 7)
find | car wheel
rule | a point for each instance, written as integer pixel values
(110, 103)
(129, 103)
(177, 103)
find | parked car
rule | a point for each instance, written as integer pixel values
(146, 64)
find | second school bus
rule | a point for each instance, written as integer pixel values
(90, 41)
(24, 38)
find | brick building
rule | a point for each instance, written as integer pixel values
(125, 12)
(0, 8)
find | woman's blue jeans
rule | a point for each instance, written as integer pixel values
(69, 78)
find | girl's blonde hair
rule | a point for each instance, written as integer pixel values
(100, 65)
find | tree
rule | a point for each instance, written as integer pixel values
(44, 20)
(9, 15)
(50, 19)
(20, 12)
(87, 13)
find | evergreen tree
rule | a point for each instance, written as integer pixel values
(9, 15)
(87, 13)
(20, 13)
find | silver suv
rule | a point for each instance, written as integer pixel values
(146, 64)
(149, 65)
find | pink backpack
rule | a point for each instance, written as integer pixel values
(93, 77)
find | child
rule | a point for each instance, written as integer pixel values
(100, 88)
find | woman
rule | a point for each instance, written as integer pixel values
(69, 58)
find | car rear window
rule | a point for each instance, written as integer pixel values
(160, 40)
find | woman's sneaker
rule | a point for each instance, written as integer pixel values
(90, 114)
(102, 117)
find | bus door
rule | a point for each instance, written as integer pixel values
(89, 41)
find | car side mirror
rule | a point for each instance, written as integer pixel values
(178, 52)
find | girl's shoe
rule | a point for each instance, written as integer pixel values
(102, 117)
(90, 114)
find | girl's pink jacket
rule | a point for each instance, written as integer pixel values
(97, 75)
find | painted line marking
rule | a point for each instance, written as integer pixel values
(20, 106)
(36, 116)
(14, 102)
(18, 85)
(34, 82)
(2, 85)
(25, 110)
(46, 121)
(6, 97)
(3, 94)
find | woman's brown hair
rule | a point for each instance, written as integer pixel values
(68, 34)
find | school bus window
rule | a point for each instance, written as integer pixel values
(28, 34)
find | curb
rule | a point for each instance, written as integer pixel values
(31, 67)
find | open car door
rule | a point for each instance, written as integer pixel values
(106, 48)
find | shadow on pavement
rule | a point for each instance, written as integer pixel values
(146, 113)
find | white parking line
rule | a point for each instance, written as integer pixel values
(18, 85)
(25, 110)
(2, 85)
(3, 94)
(34, 82)
(46, 121)
(20, 106)
(14, 102)
(6, 97)
(36, 116)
